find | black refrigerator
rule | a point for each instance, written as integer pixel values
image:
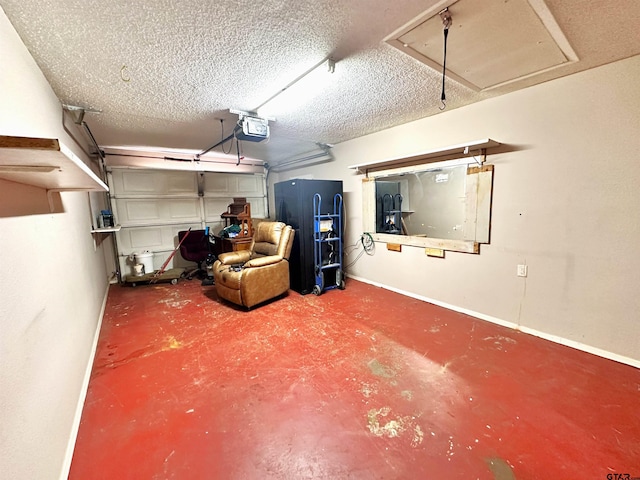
(294, 206)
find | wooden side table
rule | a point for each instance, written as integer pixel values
(224, 244)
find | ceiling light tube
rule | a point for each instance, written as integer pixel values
(299, 90)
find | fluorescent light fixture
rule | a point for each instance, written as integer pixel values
(299, 91)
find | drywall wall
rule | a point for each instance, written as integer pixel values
(52, 287)
(565, 203)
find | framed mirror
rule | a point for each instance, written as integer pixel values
(429, 203)
(443, 206)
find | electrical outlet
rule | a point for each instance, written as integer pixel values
(522, 270)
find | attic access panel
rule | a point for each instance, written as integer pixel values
(491, 42)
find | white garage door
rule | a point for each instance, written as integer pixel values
(152, 206)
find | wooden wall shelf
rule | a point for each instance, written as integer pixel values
(107, 229)
(467, 149)
(45, 163)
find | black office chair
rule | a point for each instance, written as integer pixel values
(195, 248)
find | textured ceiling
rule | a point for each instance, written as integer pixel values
(163, 72)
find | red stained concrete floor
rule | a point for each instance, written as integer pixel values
(362, 383)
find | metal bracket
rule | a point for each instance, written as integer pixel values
(77, 112)
(445, 15)
(481, 153)
(242, 114)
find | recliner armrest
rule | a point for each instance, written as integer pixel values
(263, 261)
(233, 258)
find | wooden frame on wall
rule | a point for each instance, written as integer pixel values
(477, 201)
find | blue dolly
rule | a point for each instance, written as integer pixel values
(327, 245)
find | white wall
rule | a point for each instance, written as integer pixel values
(52, 287)
(565, 202)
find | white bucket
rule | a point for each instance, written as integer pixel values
(146, 259)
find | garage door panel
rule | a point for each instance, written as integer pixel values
(249, 185)
(137, 210)
(152, 238)
(132, 211)
(183, 209)
(233, 185)
(216, 184)
(257, 207)
(145, 238)
(184, 183)
(153, 182)
(138, 183)
(214, 207)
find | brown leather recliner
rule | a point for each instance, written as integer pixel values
(250, 277)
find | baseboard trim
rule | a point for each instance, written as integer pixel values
(75, 427)
(531, 331)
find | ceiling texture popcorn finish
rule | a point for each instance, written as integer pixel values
(164, 72)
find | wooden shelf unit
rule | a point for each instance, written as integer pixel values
(45, 163)
(239, 213)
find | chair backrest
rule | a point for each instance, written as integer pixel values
(196, 246)
(272, 238)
